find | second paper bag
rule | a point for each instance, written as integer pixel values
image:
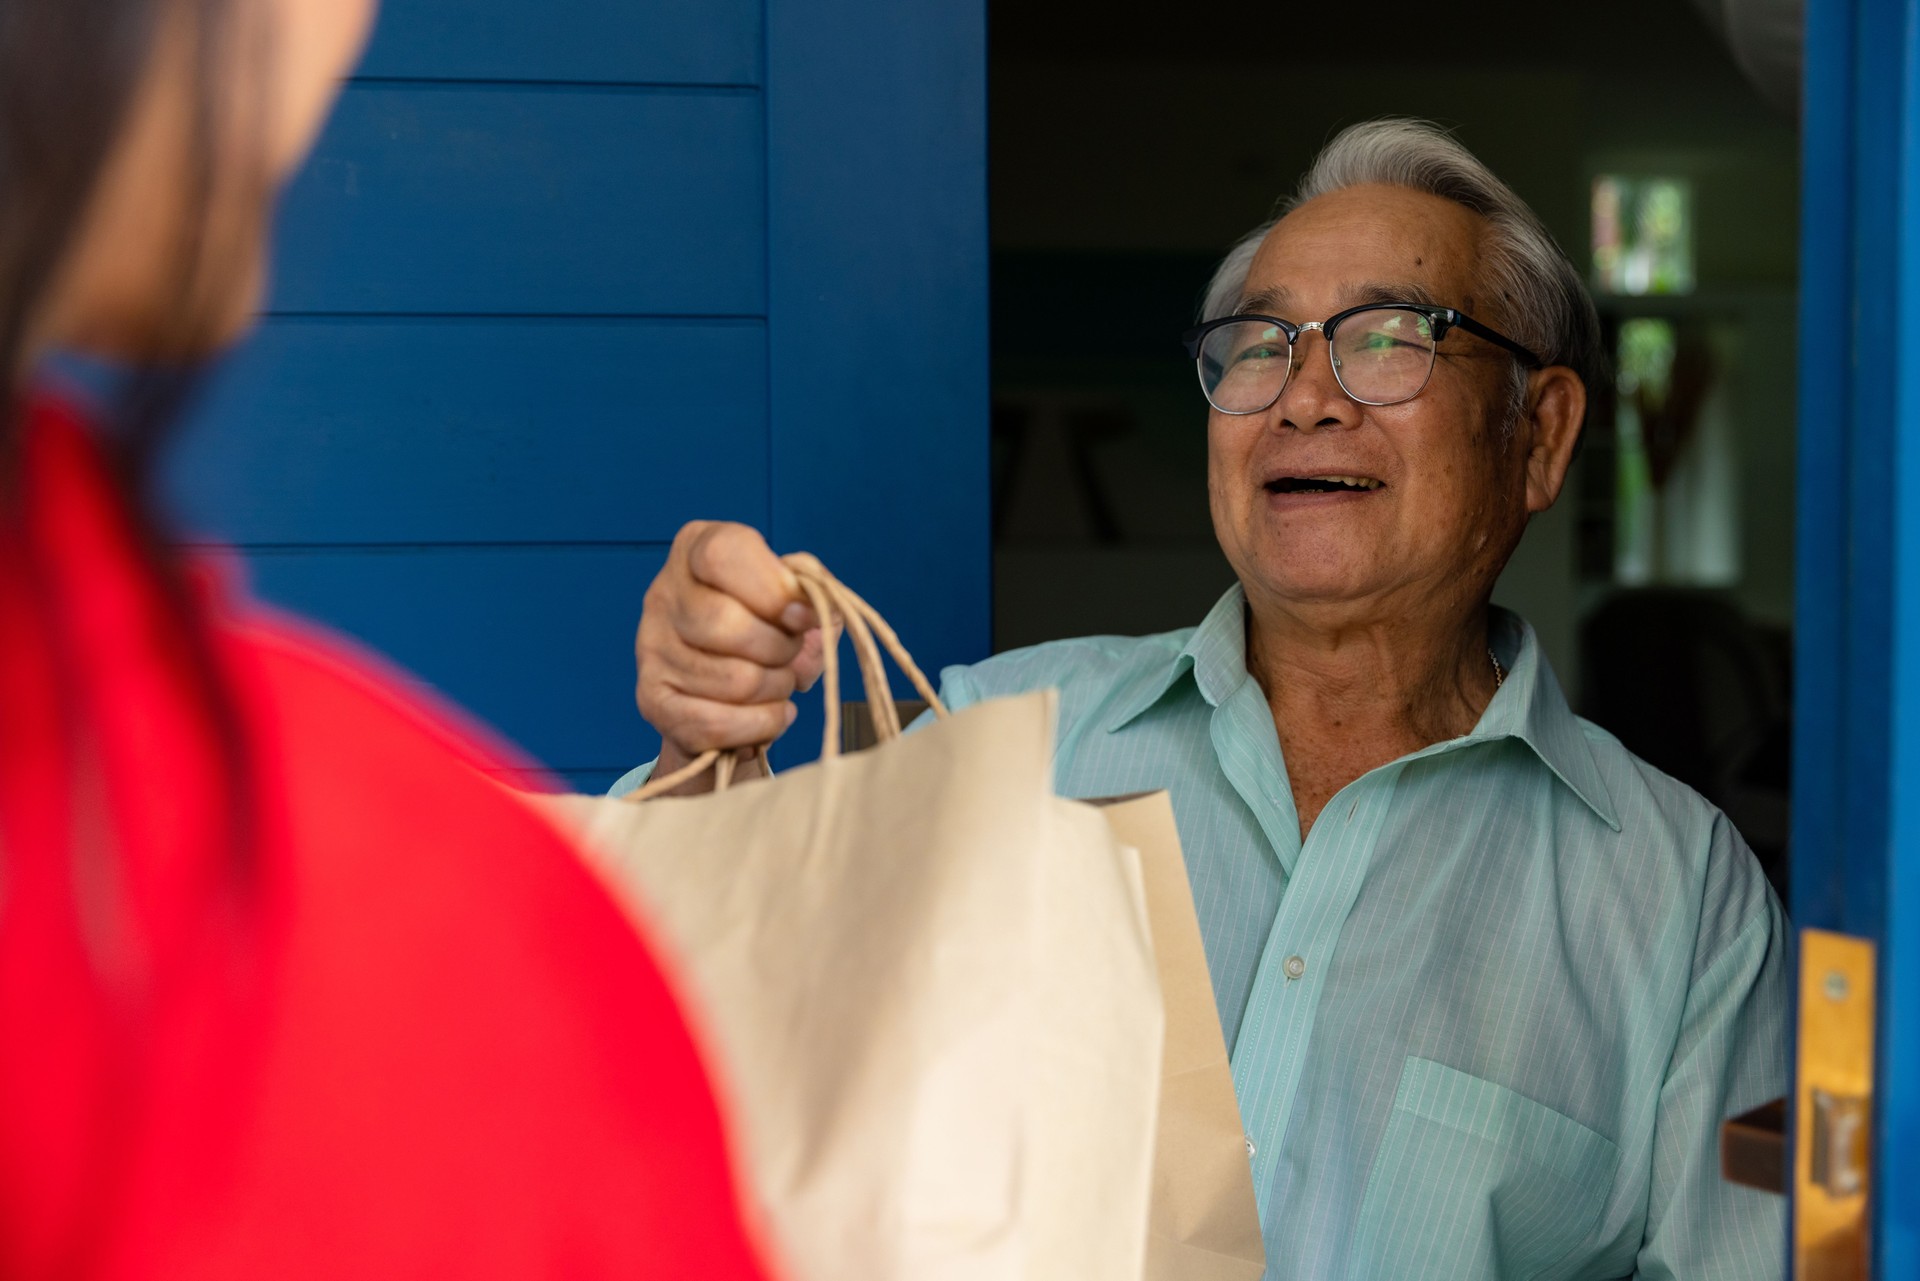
(1203, 1224)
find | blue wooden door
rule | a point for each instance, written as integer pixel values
(1856, 840)
(563, 275)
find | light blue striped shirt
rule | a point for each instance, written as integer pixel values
(1487, 1018)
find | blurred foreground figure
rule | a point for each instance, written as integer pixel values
(287, 988)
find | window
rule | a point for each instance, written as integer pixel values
(1645, 376)
(1676, 464)
(1642, 235)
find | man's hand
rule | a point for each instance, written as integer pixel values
(726, 637)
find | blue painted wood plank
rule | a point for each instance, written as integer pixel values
(498, 200)
(536, 642)
(661, 41)
(368, 430)
(878, 307)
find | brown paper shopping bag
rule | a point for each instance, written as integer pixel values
(928, 987)
(1203, 1224)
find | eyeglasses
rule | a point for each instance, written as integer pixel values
(1382, 353)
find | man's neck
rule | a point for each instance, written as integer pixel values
(1349, 695)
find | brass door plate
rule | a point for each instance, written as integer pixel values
(1834, 1112)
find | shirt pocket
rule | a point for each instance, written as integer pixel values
(1475, 1181)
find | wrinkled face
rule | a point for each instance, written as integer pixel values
(1435, 493)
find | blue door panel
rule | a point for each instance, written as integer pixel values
(878, 249)
(619, 41)
(539, 639)
(561, 277)
(496, 200)
(372, 430)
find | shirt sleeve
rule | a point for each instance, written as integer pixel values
(1730, 1057)
(634, 778)
(957, 690)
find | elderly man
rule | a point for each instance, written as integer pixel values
(1491, 982)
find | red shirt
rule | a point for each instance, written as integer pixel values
(395, 1031)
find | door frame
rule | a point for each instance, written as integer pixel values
(1856, 783)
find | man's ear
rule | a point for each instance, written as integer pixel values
(1556, 407)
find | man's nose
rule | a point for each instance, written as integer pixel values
(1312, 399)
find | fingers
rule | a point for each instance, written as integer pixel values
(701, 725)
(709, 620)
(738, 681)
(735, 561)
(722, 643)
(700, 701)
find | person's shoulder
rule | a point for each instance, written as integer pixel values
(415, 882)
(1094, 675)
(393, 817)
(1085, 669)
(1669, 831)
(365, 760)
(1643, 794)
(318, 682)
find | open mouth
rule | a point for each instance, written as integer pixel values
(1324, 485)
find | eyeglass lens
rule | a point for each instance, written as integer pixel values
(1381, 356)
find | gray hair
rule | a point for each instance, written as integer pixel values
(1546, 307)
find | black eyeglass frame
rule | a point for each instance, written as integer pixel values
(1443, 320)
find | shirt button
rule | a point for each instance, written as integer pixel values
(1295, 967)
(1250, 1148)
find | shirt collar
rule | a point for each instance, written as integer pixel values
(1529, 705)
(1215, 652)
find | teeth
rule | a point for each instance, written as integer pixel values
(1351, 482)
